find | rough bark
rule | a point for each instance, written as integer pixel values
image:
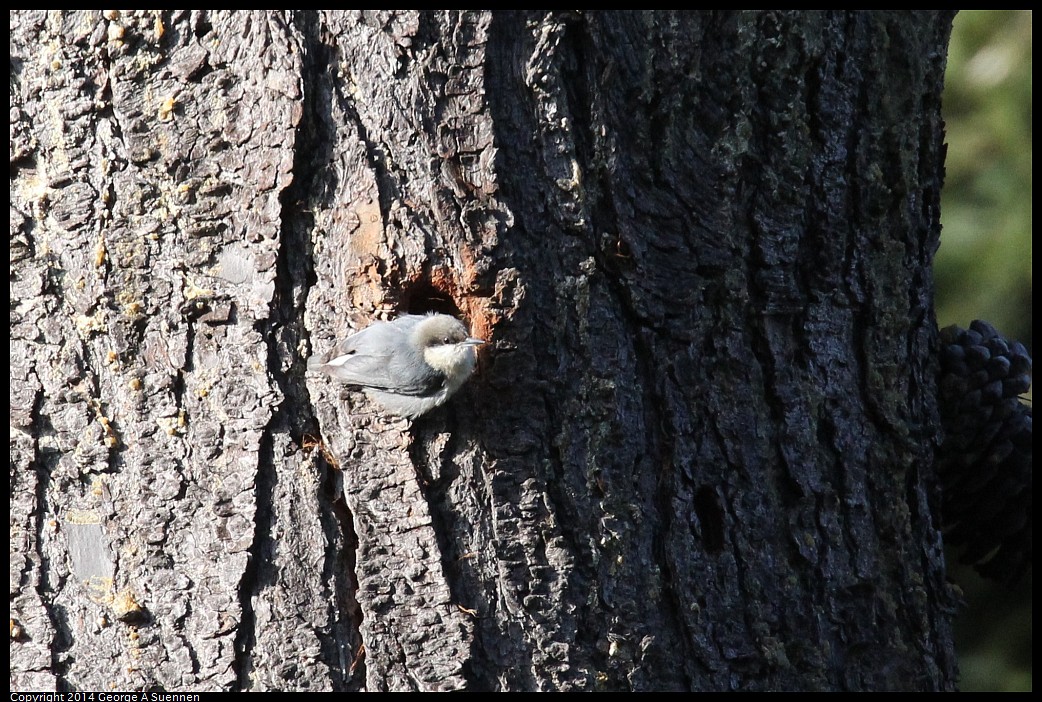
(698, 453)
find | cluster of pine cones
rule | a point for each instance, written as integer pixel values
(985, 460)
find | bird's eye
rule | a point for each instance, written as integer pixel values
(446, 340)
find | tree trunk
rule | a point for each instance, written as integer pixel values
(698, 451)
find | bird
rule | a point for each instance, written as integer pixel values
(409, 365)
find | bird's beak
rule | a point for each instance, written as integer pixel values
(473, 341)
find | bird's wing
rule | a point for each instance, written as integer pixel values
(362, 359)
(362, 370)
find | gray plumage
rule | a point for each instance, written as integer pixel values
(409, 365)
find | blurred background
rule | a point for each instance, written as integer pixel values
(983, 271)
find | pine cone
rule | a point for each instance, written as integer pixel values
(985, 460)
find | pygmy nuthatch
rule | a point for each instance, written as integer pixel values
(410, 365)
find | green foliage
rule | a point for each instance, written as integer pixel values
(983, 268)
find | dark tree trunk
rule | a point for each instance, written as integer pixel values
(698, 452)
